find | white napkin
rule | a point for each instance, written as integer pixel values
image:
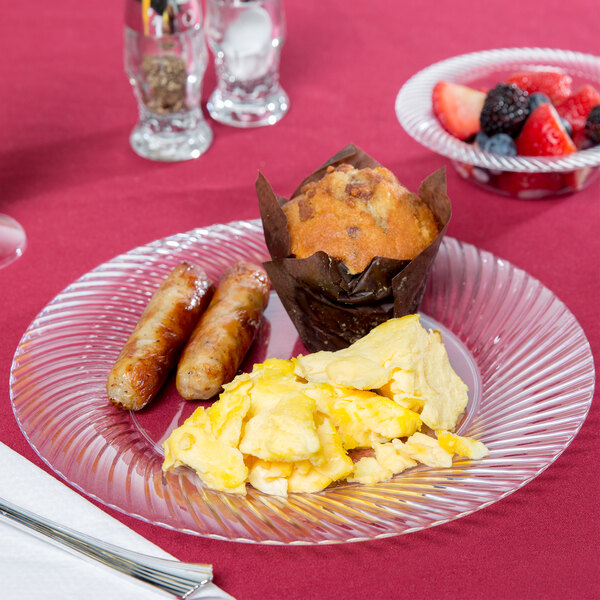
(31, 568)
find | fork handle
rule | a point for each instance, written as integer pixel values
(176, 578)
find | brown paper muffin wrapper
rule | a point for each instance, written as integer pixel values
(329, 307)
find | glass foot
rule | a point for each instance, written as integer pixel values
(12, 240)
(171, 146)
(248, 113)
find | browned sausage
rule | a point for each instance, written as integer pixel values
(153, 348)
(224, 333)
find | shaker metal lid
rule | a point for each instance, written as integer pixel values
(159, 18)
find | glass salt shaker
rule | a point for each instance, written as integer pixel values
(246, 37)
(165, 60)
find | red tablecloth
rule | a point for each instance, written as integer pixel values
(69, 176)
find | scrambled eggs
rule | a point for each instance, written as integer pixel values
(427, 450)
(404, 362)
(291, 425)
(463, 446)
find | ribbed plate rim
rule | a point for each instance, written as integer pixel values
(255, 225)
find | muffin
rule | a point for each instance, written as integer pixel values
(352, 247)
(356, 214)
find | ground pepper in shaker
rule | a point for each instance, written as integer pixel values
(166, 78)
(165, 60)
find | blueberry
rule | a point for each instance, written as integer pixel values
(567, 126)
(501, 143)
(536, 99)
(481, 139)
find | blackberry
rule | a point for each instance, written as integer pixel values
(592, 125)
(505, 110)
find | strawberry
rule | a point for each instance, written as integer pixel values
(465, 170)
(457, 107)
(554, 83)
(578, 179)
(544, 135)
(577, 107)
(530, 185)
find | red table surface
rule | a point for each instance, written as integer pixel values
(68, 175)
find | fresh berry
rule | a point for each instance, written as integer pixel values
(555, 84)
(544, 135)
(582, 142)
(577, 107)
(567, 126)
(465, 170)
(469, 171)
(592, 125)
(481, 139)
(577, 179)
(457, 107)
(536, 99)
(530, 185)
(501, 143)
(505, 110)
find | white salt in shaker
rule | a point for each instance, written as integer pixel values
(246, 39)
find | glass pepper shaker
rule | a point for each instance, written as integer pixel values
(165, 61)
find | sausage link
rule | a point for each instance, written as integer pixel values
(224, 333)
(164, 327)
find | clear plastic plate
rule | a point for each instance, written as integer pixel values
(524, 356)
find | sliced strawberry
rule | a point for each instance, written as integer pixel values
(576, 107)
(544, 135)
(581, 141)
(465, 170)
(530, 185)
(578, 179)
(556, 84)
(457, 107)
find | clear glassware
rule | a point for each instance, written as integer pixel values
(246, 39)
(165, 60)
(527, 177)
(12, 240)
(524, 356)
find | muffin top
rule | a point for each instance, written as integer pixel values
(355, 215)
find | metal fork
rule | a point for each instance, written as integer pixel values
(176, 578)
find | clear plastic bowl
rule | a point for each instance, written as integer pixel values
(522, 176)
